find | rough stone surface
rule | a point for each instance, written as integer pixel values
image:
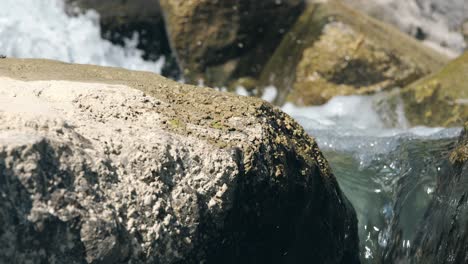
(335, 50)
(215, 41)
(440, 99)
(104, 165)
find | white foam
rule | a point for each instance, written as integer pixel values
(352, 112)
(41, 29)
(242, 91)
(270, 93)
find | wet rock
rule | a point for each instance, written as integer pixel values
(334, 50)
(218, 41)
(104, 165)
(442, 236)
(440, 99)
(121, 20)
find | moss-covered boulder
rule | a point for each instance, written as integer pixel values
(215, 41)
(335, 50)
(105, 165)
(440, 99)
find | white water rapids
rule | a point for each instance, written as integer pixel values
(42, 29)
(370, 159)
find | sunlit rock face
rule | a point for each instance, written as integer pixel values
(105, 165)
(215, 41)
(336, 50)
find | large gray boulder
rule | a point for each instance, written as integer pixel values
(104, 165)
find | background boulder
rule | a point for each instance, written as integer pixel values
(217, 41)
(440, 99)
(335, 50)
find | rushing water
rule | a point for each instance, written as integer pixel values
(42, 29)
(388, 173)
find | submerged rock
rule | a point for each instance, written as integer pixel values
(335, 50)
(104, 165)
(215, 41)
(440, 99)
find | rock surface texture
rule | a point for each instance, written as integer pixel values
(103, 165)
(335, 50)
(216, 40)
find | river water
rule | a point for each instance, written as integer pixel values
(387, 171)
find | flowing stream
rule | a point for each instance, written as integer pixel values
(388, 173)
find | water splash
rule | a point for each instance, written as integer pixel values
(42, 29)
(388, 172)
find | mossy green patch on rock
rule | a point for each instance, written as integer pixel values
(440, 99)
(335, 50)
